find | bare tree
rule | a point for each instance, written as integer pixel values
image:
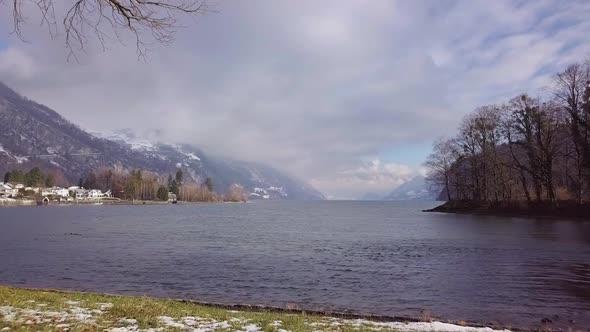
(440, 163)
(236, 193)
(528, 148)
(571, 93)
(83, 18)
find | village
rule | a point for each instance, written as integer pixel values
(19, 194)
(38, 187)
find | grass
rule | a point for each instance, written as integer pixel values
(42, 310)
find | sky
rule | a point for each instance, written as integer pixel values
(346, 95)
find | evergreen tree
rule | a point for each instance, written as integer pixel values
(162, 193)
(209, 184)
(34, 177)
(174, 187)
(130, 190)
(7, 177)
(179, 176)
(17, 176)
(49, 180)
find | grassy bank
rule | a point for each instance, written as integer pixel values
(41, 310)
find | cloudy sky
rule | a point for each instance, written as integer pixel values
(347, 95)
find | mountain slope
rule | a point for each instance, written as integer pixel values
(32, 134)
(414, 189)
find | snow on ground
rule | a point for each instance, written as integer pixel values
(20, 160)
(75, 314)
(192, 156)
(130, 139)
(402, 326)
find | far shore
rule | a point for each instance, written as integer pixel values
(30, 202)
(41, 309)
(563, 209)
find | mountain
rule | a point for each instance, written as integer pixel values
(32, 134)
(414, 189)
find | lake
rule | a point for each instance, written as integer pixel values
(384, 258)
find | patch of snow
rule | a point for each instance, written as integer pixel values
(259, 190)
(409, 326)
(170, 322)
(251, 328)
(132, 141)
(75, 314)
(129, 321)
(192, 156)
(141, 145)
(20, 160)
(104, 306)
(36, 316)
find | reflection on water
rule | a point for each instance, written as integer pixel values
(368, 257)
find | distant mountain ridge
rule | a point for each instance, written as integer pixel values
(415, 189)
(32, 134)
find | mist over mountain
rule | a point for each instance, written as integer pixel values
(32, 134)
(414, 189)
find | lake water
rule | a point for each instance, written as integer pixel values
(367, 257)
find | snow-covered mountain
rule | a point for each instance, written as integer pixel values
(32, 134)
(262, 182)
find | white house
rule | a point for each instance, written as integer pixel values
(56, 191)
(61, 192)
(80, 193)
(95, 193)
(7, 190)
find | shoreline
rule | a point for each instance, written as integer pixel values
(51, 308)
(564, 210)
(16, 203)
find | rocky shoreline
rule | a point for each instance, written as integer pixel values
(563, 209)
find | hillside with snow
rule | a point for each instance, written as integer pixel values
(32, 134)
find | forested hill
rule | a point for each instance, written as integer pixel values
(32, 134)
(523, 150)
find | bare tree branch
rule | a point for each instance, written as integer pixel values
(87, 19)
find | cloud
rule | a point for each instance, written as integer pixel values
(16, 64)
(373, 176)
(316, 89)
